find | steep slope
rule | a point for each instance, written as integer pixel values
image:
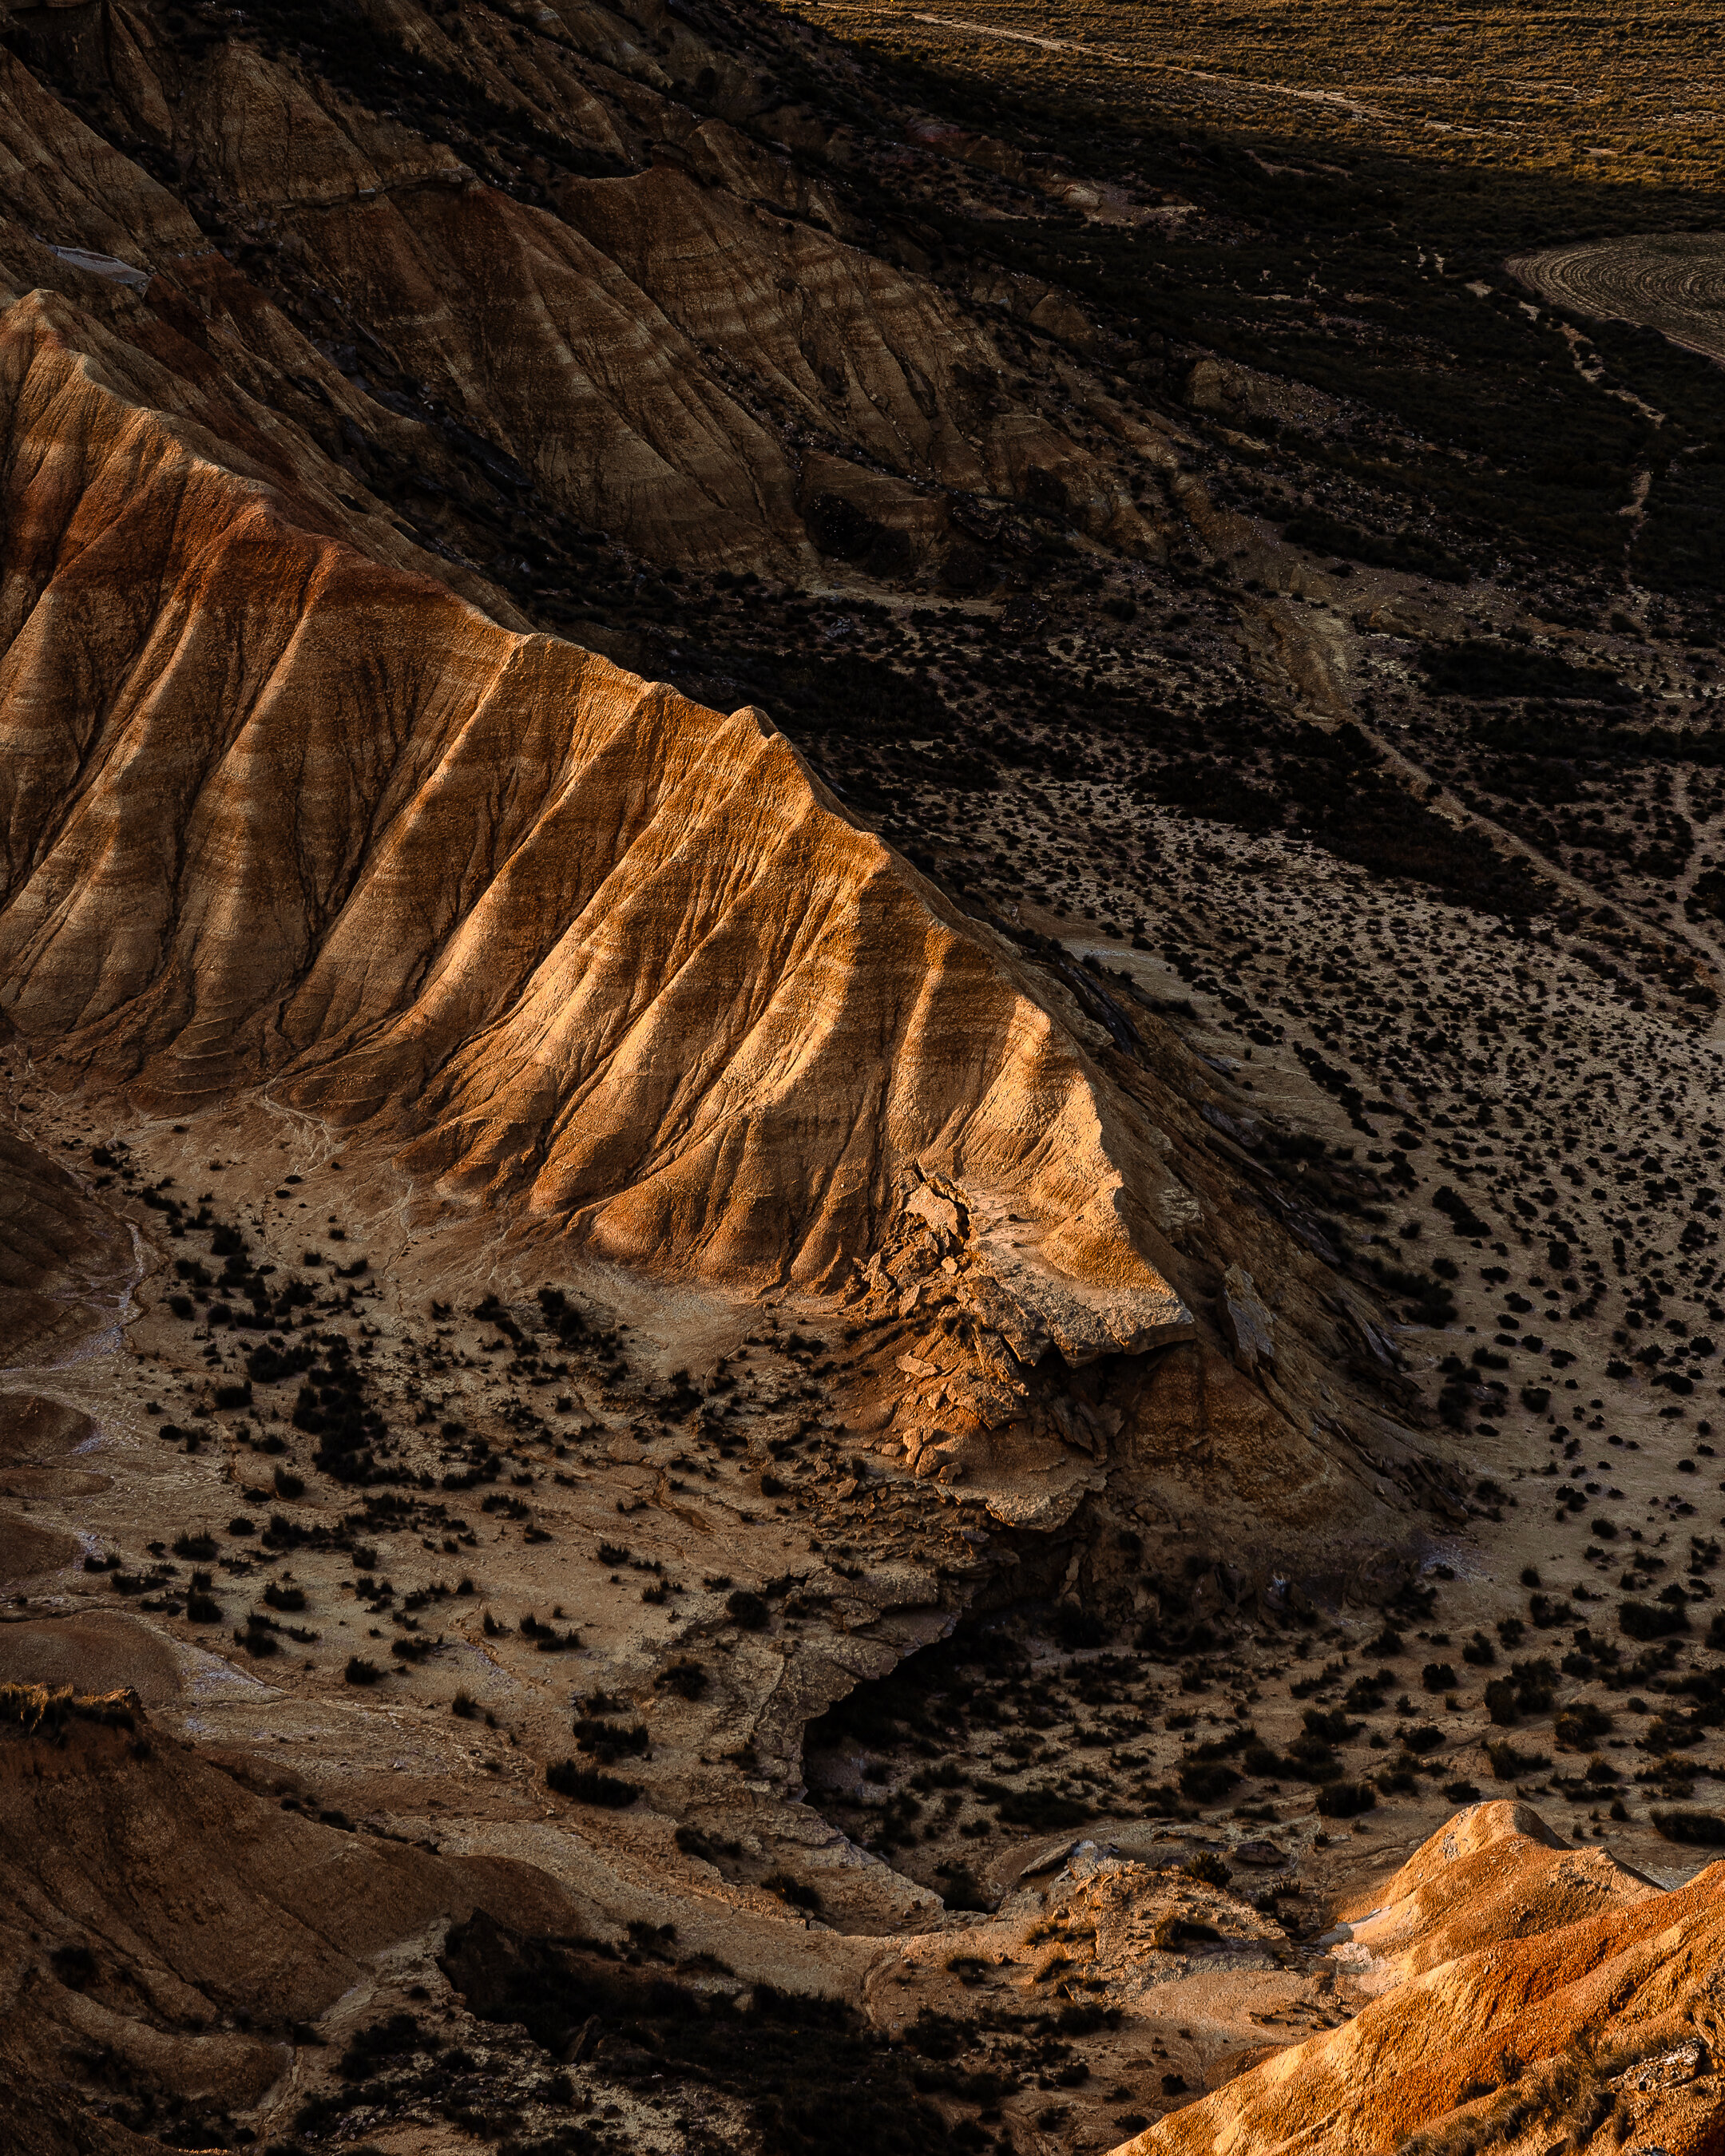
(697, 352)
(173, 1930)
(1533, 1989)
(276, 814)
(67, 1266)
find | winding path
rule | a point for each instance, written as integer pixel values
(1248, 83)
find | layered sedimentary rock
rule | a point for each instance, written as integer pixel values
(1527, 1990)
(670, 331)
(278, 815)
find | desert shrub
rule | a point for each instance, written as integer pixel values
(797, 1892)
(258, 1636)
(1344, 1799)
(1204, 1781)
(686, 1679)
(1501, 1703)
(1476, 667)
(33, 1708)
(1706, 1827)
(807, 2073)
(398, 2037)
(1648, 1620)
(1509, 1765)
(587, 1785)
(359, 1671)
(607, 1741)
(1580, 1722)
(748, 1610)
(1044, 1811)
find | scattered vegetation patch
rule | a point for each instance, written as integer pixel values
(1705, 1827)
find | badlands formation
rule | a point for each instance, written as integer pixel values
(966, 880)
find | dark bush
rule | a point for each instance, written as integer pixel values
(1501, 1703)
(686, 1679)
(1580, 1722)
(1706, 1827)
(1344, 1799)
(359, 1671)
(1647, 1620)
(396, 2038)
(748, 1610)
(588, 1786)
(606, 1741)
(1510, 1765)
(1205, 1781)
(1044, 1811)
(797, 1892)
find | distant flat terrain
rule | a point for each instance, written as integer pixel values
(1671, 281)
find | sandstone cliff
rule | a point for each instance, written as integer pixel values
(1526, 1990)
(277, 815)
(564, 245)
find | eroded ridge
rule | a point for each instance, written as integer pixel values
(276, 814)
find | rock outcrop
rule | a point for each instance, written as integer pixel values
(614, 294)
(1530, 1995)
(279, 816)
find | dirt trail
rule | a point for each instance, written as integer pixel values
(1233, 82)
